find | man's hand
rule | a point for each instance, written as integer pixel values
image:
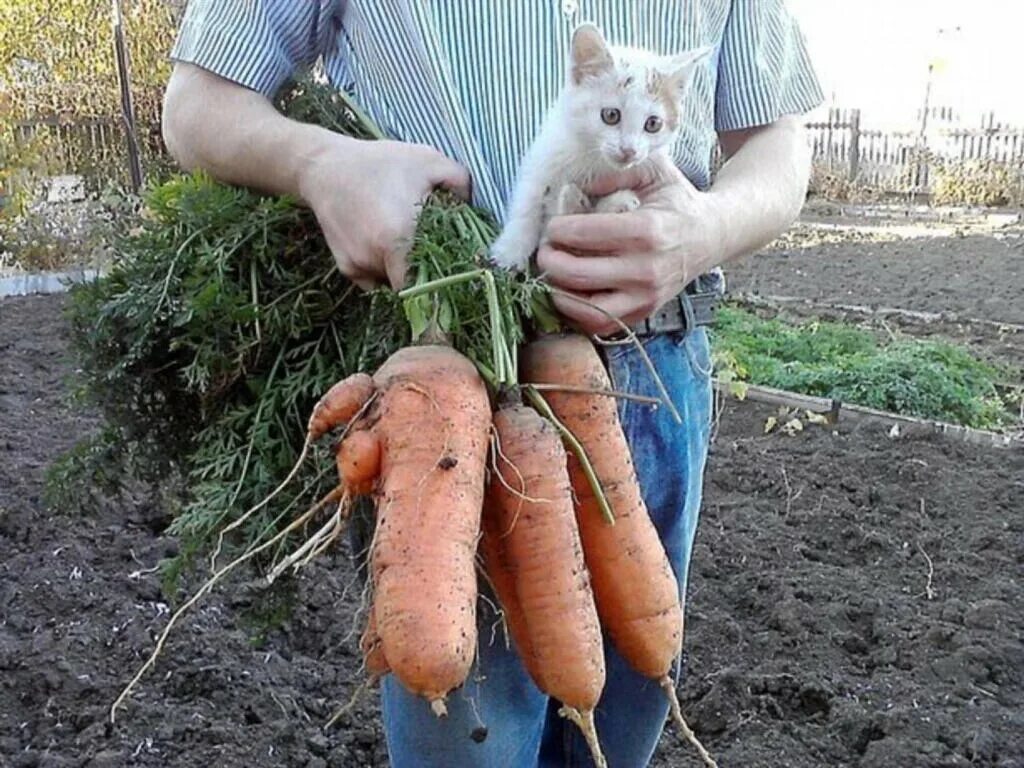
(628, 264)
(366, 196)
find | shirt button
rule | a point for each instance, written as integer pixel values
(569, 7)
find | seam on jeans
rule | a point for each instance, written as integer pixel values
(701, 371)
(614, 353)
(622, 386)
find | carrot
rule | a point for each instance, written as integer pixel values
(532, 553)
(373, 654)
(430, 419)
(341, 403)
(502, 579)
(358, 460)
(636, 591)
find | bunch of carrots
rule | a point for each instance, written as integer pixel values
(479, 445)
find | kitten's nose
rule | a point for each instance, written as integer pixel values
(626, 154)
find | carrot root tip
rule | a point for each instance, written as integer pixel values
(348, 706)
(669, 686)
(585, 722)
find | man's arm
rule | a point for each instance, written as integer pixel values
(763, 184)
(236, 135)
(631, 264)
(365, 193)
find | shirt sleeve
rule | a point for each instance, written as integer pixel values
(259, 44)
(764, 71)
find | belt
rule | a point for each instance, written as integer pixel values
(692, 308)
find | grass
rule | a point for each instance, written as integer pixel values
(927, 379)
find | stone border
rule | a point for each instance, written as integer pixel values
(835, 411)
(42, 283)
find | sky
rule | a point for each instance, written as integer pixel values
(874, 54)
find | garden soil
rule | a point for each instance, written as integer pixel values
(944, 269)
(856, 600)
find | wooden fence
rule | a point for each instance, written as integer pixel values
(890, 161)
(903, 161)
(95, 149)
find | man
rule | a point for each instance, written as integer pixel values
(463, 86)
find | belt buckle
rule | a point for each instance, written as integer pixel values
(678, 315)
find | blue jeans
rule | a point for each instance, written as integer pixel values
(499, 719)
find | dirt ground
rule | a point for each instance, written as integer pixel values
(856, 601)
(972, 269)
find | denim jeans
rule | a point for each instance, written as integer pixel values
(499, 719)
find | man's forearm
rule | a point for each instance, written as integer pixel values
(236, 134)
(759, 191)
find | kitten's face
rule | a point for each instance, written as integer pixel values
(624, 105)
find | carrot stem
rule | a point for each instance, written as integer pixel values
(636, 344)
(655, 401)
(538, 401)
(361, 117)
(503, 341)
(494, 311)
(441, 282)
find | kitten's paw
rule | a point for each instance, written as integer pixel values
(571, 200)
(511, 252)
(623, 201)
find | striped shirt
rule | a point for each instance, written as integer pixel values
(475, 78)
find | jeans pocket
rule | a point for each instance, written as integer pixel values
(618, 349)
(697, 347)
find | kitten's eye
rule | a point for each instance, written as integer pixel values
(653, 124)
(611, 116)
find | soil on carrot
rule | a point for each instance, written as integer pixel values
(855, 600)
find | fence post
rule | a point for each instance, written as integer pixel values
(854, 144)
(127, 108)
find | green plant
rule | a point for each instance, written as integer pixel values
(223, 319)
(925, 379)
(56, 58)
(23, 166)
(220, 323)
(50, 237)
(729, 371)
(60, 103)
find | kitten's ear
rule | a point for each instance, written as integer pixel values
(590, 54)
(681, 67)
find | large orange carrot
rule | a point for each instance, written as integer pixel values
(636, 592)
(532, 553)
(429, 426)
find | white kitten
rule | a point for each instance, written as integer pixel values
(620, 108)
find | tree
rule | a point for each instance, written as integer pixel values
(57, 60)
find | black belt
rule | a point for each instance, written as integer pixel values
(693, 308)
